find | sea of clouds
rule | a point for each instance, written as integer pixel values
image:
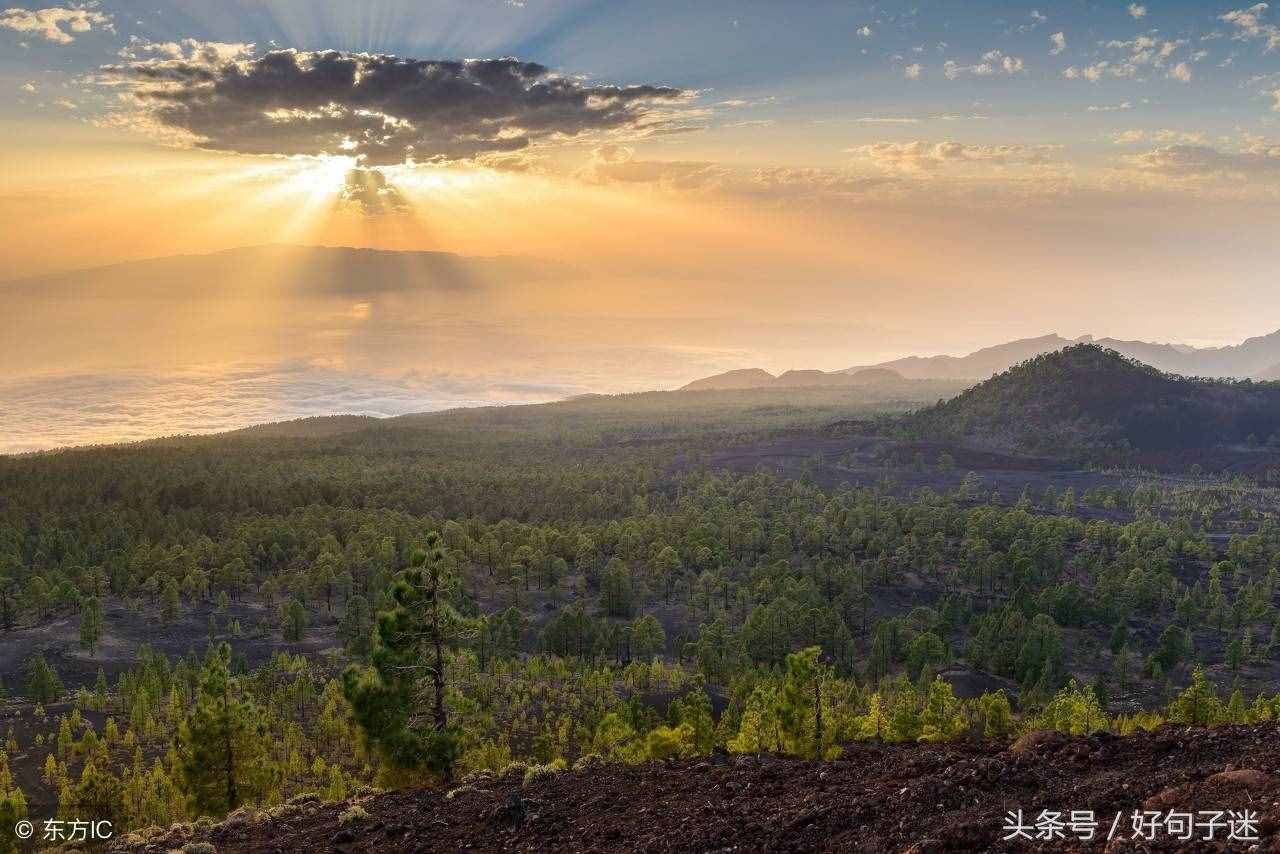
(52, 411)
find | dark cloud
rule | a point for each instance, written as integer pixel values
(368, 190)
(383, 109)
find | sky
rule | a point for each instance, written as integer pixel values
(721, 184)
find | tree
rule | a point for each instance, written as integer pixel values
(8, 601)
(90, 623)
(997, 718)
(616, 589)
(9, 817)
(96, 797)
(43, 684)
(356, 625)
(293, 620)
(408, 649)
(647, 637)
(942, 718)
(668, 568)
(926, 649)
(222, 745)
(1198, 704)
(169, 603)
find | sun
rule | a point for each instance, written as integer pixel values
(319, 176)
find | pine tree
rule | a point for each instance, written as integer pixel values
(97, 796)
(1198, 705)
(222, 746)
(8, 819)
(43, 684)
(942, 718)
(293, 620)
(997, 718)
(90, 623)
(408, 647)
(169, 603)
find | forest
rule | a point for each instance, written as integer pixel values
(198, 626)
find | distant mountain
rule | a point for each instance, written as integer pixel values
(1086, 399)
(1257, 358)
(978, 365)
(733, 381)
(1250, 359)
(757, 378)
(315, 427)
(284, 270)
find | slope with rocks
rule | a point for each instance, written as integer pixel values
(917, 798)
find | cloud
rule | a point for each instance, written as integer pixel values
(1110, 108)
(1140, 53)
(920, 156)
(368, 190)
(56, 24)
(1275, 93)
(210, 54)
(1181, 71)
(912, 71)
(29, 87)
(864, 31)
(1059, 43)
(1202, 161)
(384, 109)
(810, 183)
(617, 164)
(1137, 12)
(1249, 25)
(132, 405)
(1164, 135)
(993, 61)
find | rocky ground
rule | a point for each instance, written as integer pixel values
(917, 798)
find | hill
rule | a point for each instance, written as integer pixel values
(733, 381)
(281, 269)
(1257, 358)
(1086, 400)
(1252, 358)
(918, 798)
(320, 426)
(977, 365)
(755, 378)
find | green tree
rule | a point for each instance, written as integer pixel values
(293, 620)
(223, 745)
(409, 650)
(997, 718)
(647, 637)
(43, 684)
(90, 623)
(169, 603)
(1198, 703)
(356, 625)
(942, 718)
(616, 594)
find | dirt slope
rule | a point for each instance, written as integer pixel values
(916, 798)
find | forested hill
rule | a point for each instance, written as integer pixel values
(1090, 402)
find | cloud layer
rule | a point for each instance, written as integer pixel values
(379, 108)
(55, 24)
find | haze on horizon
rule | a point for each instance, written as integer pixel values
(678, 191)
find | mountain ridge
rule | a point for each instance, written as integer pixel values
(1093, 402)
(1257, 357)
